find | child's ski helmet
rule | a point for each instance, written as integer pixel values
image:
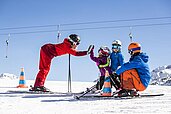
(74, 39)
(134, 48)
(104, 50)
(116, 44)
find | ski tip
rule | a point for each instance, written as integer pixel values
(161, 94)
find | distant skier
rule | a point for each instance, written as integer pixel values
(49, 51)
(135, 74)
(103, 63)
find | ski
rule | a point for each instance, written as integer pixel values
(139, 96)
(121, 97)
(39, 92)
(29, 92)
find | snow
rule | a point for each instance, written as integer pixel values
(55, 104)
(161, 76)
(8, 76)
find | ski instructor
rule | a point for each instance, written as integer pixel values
(49, 51)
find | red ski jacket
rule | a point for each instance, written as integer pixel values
(65, 48)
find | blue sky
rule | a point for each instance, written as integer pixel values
(23, 48)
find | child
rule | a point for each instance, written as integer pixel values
(103, 63)
(135, 74)
(49, 51)
(117, 60)
(116, 56)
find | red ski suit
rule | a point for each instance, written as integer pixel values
(47, 53)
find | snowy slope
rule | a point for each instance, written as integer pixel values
(15, 103)
(22, 103)
(161, 76)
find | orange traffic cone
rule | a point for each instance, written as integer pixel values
(107, 86)
(22, 81)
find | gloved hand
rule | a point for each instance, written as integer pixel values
(90, 48)
(114, 74)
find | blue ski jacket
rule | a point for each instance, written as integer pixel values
(138, 62)
(117, 60)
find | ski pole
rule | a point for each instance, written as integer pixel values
(69, 75)
(85, 92)
(114, 84)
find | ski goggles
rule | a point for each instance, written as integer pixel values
(130, 51)
(116, 46)
(76, 43)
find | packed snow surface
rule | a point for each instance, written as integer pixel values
(22, 103)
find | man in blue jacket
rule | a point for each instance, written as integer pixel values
(135, 74)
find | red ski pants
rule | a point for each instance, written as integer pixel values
(47, 53)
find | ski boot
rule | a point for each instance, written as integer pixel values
(133, 93)
(123, 93)
(39, 89)
(117, 91)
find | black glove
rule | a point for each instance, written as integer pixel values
(91, 47)
(114, 74)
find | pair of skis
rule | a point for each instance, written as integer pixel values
(113, 96)
(84, 94)
(122, 97)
